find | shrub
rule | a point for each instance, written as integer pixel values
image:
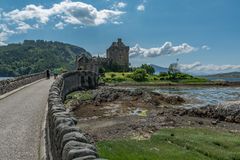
(106, 79)
(113, 75)
(149, 69)
(118, 79)
(162, 78)
(102, 72)
(176, 76)
(129, 75)
(163, 74)
(139, 75)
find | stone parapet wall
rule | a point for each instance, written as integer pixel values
(12, 84)
(65, 140)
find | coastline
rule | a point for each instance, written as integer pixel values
(211, 84)
(125, 117)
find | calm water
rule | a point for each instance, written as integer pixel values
(202, 96)
(3, 78)
(224, 79)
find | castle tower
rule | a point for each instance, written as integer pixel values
(118, 53)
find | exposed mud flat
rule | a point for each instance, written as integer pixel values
(117, 113)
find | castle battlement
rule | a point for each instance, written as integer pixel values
(117, 57)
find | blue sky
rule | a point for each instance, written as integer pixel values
(203, 34)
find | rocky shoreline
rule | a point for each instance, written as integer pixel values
(205, 84)
(229, 112)
(111, 94)
(113, 112)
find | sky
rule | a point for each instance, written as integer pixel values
(204, 35)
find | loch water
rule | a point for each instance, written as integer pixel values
(203, 96)
(3, 78)
(224, 79)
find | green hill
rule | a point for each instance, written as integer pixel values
(36, 56)
(225, 75)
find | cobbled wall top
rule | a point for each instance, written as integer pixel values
(68, 142)
(12, 84)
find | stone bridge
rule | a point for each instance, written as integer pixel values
(22, 104)
(11, 84)
(34, 124)
(66, 141)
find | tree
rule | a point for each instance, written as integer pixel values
(173, 68)
(139, 75)
(101, 70)
(37, 56)
(149, 69)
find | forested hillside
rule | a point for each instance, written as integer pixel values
(35, 56)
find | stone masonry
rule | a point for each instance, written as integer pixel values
(11, 84)
(117, 59)
(68, 142)
(118, 53)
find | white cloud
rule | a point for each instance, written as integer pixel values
(59, 25)
(63, 13)
(119, 5)
(197, 66)
(166, 49)
(5, 32)
(2, 43)
(117, 22)
(70, 12)
(187, 67)
(205, 47)
(23, 27)
(29, 12)
(141, 7)
(36, 26)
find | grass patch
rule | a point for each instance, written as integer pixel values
(114, 77)
(179, 143)
(194, 80)
(78, 95)
(127, 77)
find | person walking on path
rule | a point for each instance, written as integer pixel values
(48, 74)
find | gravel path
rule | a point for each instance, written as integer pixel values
(21, 116)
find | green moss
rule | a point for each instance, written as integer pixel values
(179, 143)
(78, 95)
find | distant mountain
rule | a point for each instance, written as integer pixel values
(225, 75)
(159, 69)
(35, 56)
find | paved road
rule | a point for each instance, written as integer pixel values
(21, 116)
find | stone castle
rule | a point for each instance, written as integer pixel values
(118, 53)
(117, 59)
